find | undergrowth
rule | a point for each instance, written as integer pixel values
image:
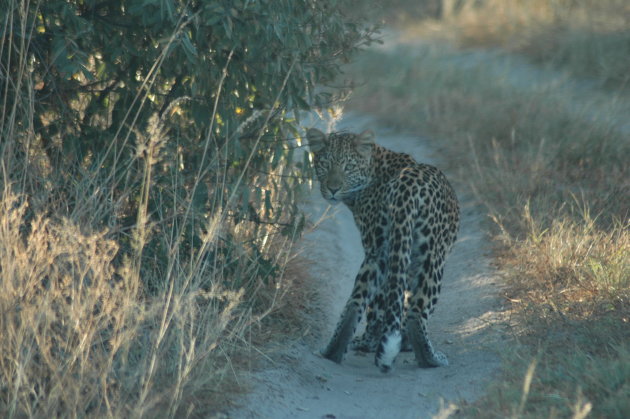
(94, 323)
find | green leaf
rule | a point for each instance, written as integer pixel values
(228, 25)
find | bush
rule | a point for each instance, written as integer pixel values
(225, 79)
(147, 175)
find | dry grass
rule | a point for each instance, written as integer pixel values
(95, 324)
(588, 38)
(78, 336)
(80, 333)
(550, 166)
(574, 263)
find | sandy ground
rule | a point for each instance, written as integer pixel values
(301, 384)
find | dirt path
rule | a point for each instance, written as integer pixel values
(466, 324)
(300, 384)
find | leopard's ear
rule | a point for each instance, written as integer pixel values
(316, 140)
(364, 142)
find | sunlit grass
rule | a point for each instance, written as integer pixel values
(588, 38)
(78, 335)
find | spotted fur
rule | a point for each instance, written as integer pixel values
(408, 216)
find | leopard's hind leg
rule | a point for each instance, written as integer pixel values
(368, 341)
(421, 305)
(362, 294)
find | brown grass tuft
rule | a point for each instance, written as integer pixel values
(78, 337)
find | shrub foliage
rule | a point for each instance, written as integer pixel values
(221, 76)
(160, 135)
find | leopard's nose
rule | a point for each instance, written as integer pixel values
(333, 190)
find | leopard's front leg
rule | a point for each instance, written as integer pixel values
(351, 315)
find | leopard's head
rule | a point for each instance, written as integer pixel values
(342, 162)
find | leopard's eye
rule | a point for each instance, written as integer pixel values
(322, 166)
(320, 172)
(320, 160)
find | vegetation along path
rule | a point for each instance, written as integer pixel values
(151, 205)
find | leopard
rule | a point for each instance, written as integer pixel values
(407, 214)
